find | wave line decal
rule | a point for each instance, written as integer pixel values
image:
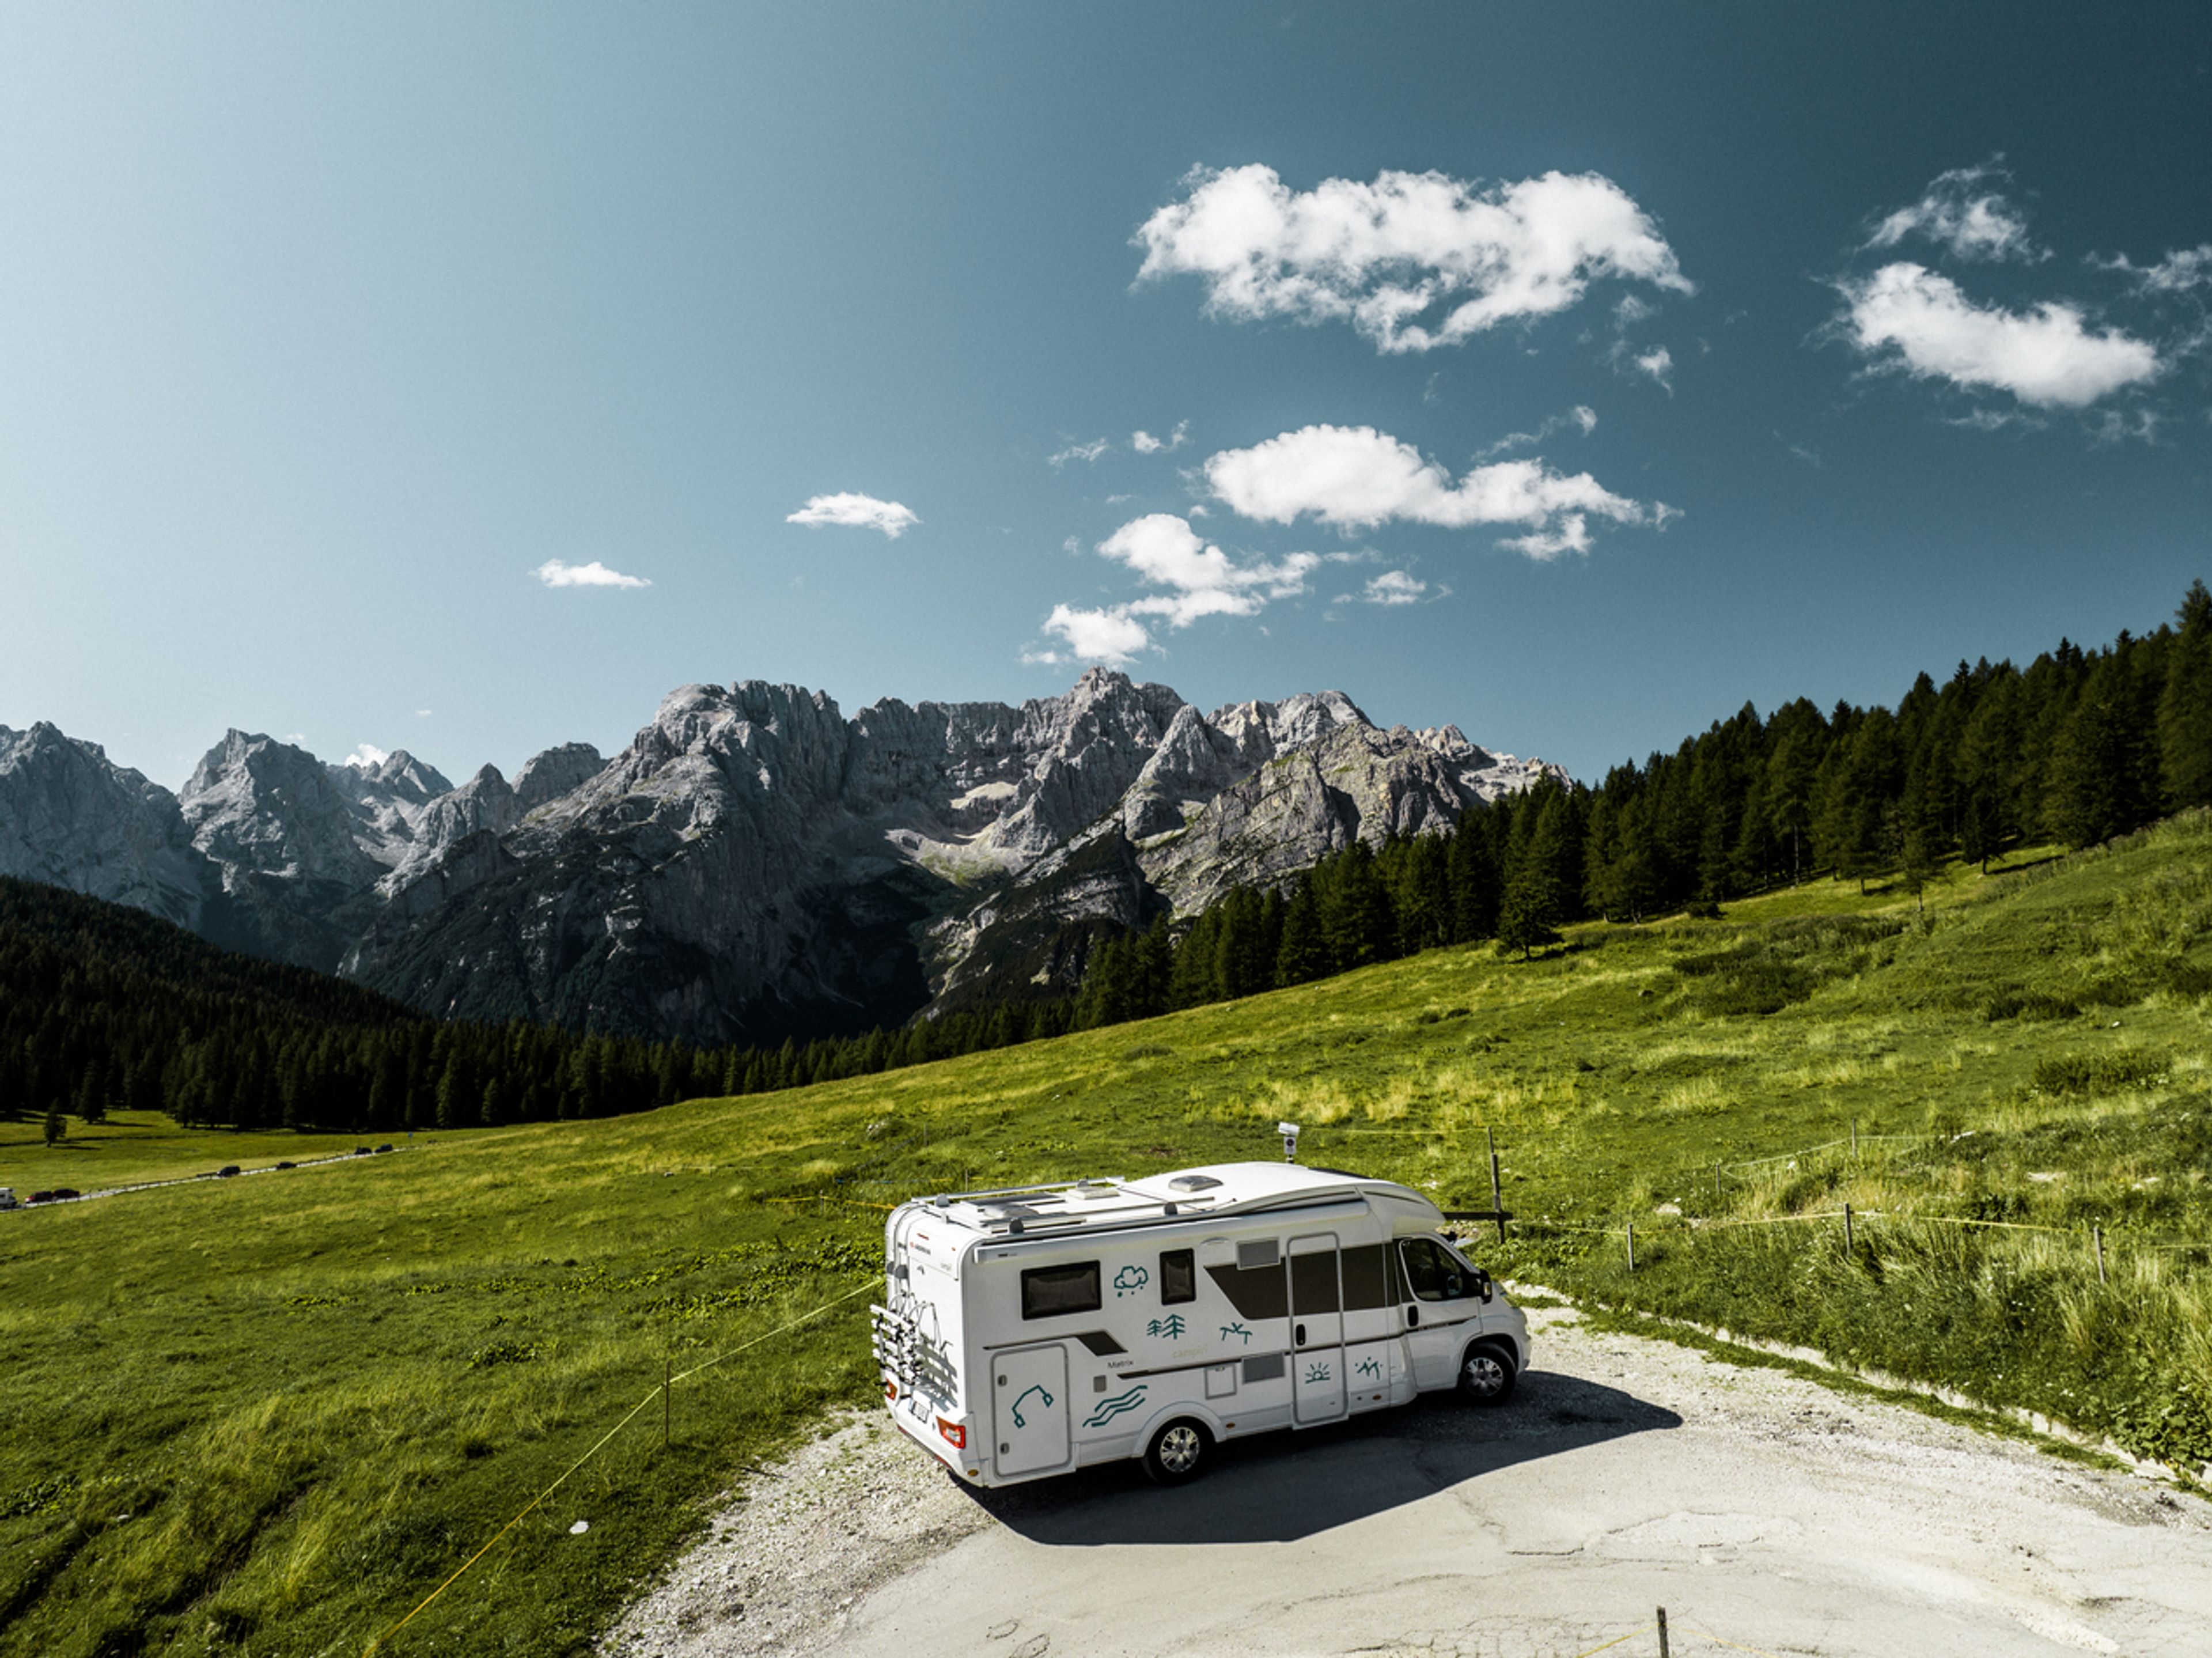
(1109, 1408)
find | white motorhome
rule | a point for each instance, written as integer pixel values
(1028, 1332)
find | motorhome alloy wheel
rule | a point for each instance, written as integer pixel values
(1177, 1451)
(1485, 1375)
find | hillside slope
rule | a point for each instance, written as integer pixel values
(437, 1335)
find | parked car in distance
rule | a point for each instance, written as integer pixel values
(387, 1146)
(226, 1171)
(287, 1165)
(40, 1197)
(8, 1198)
(62, 1193)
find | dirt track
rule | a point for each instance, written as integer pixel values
(1768, 1511)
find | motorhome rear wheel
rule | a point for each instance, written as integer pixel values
(1179, 1452)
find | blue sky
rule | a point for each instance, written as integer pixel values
(1574, 374)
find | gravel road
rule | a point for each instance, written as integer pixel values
(1759, 1508)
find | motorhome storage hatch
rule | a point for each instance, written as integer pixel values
(1028, 1332)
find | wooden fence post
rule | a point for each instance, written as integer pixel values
(2097, 1233)
(1632, 1246)
(1847, 1228)
(1497, 1190)
(1662, 1633)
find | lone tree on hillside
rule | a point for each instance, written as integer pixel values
(1529, 916)
(1530, 912)
(53, 1125)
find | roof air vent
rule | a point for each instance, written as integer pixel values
(1193, 1183)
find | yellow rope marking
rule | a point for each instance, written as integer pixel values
(782, 1329)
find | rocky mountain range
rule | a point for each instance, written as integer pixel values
(755, 864)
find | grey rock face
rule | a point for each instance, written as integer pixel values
(70, 817)
(555, 773)
(754, 862)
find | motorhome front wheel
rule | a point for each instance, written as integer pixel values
(1485, 1375)
(1177, 1453)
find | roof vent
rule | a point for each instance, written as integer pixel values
(1193, 1183)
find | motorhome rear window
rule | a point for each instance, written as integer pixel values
(1178, 1276)
(1049, 1291)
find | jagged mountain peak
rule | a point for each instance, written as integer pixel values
(754, 861)
(399, 775)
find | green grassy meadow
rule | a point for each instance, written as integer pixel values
(268, 1416)
(133, 1148)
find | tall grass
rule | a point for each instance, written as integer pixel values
(269, 1415)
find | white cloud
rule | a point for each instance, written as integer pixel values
(1393, 587)
(1355, 477)
(1957, 214)
(1146, 444)
(856, 512)
(1659, 363)
(1084, 452)
(1409, 246)
(1106, 635)
(1582, 417)
(1995, 420)
(2179, 271)
(1197, 579)
(2117, 426)
(1201, 579)
(422, 713)
(554, 573)
(1914, 318)
(367, 757)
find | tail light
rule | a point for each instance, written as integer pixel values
(956, 1434)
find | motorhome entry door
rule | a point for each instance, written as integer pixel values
(1029, 1406)
(1317, 1329)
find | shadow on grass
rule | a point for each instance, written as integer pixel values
(1277, 1487)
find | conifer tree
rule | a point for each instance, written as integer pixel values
(1303, 953)
(2184, 705)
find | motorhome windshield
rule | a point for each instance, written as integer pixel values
(1432, 1272)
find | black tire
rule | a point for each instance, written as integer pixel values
(1488, 1374)
(1179, 1452)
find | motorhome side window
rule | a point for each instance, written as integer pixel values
(1048, 1291)
(1178, 1276)
(1430, 1272)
